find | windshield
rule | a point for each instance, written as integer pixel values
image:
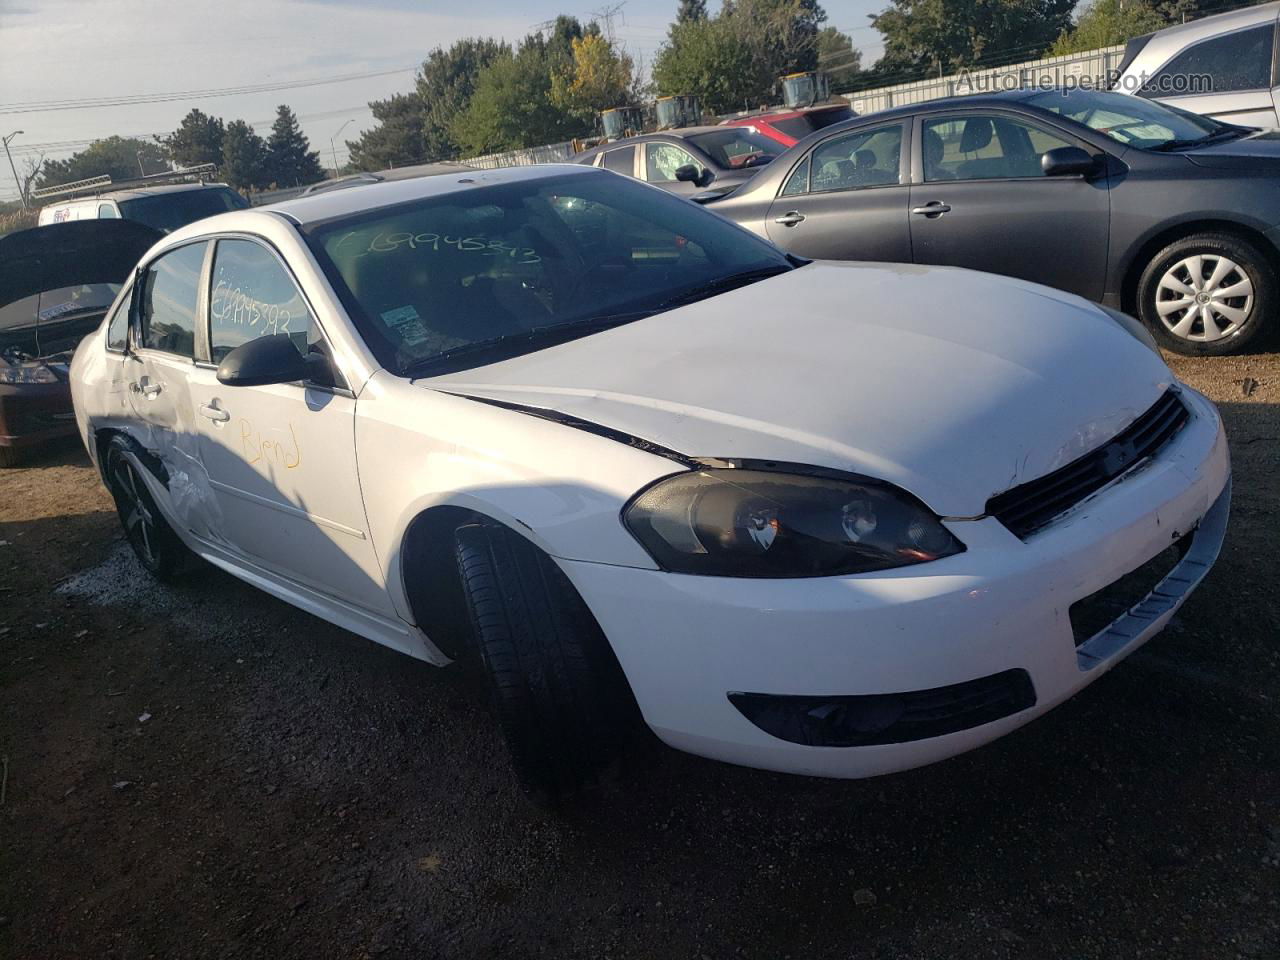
(428, 280)
(169, 211)
(1131, 121)
(733, 147)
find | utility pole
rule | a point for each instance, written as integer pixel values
(141, 172)
(334, 150)
(22, 194)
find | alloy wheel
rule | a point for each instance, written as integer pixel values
(136, 511)
(1204, 297)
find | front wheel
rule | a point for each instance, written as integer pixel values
(1207, 295)
(149, 534)
(561, 699)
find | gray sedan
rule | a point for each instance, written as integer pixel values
(690, 160)
(1161, 213)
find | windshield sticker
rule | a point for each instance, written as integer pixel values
(405, 323)
(435, 242)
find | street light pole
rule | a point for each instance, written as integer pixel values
(22, 194)
(141, 171)
(334, 150)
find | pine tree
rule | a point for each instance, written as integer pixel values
(198, 139)
(691, 10)
(244, 157)
(290, 161)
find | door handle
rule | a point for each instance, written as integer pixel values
(933, 210)
(213, 412)
(790, 219)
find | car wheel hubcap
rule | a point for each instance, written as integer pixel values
(1204, 298)
(139, 522)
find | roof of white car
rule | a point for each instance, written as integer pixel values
(339, 203)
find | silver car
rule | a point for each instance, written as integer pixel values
(1222, 66)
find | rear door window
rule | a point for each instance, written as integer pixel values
(620, 161)
(864, 158)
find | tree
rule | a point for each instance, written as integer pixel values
(244, 157)
(599, 77)
(691, 10)
(396, 141)
(511, 106)
(837, 56)
(733, 60)
(290, 160)
(198, 139)
(942, 36)
(415, 128)
(710, 60)
(116, 157)
(1105, 23)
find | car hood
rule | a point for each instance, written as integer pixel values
(953, 384)
(52, 281)
(1259, 151)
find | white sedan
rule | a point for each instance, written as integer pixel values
(836, 519)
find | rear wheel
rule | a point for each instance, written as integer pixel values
(1207, 294)
(149, 534)
(560, 696)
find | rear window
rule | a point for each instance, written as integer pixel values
(169, 211)
(800, 127)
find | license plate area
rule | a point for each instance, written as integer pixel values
(1094, 613)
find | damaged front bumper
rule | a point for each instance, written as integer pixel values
(966, 648)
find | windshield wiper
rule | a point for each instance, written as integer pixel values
(723, 284)
(513, 344)
(1218, 136)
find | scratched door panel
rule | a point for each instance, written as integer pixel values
(282, 471)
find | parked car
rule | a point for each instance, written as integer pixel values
(1222, 66)
(1158, 212)
(689, 161)
(789, 127)
(393, 173)
(823, 518)
(56, 284)
(165, 207)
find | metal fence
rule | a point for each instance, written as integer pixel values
(1058, 71)
(551, 153)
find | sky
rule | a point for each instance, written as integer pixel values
(72, 51)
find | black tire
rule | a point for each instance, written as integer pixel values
(11, 456)
(561, 699)
(1250, 264)
(157, 547)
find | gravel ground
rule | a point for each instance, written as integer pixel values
(202, 771)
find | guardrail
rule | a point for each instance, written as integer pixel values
(550, 153)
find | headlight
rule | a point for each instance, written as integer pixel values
(27, 373)
(758, 523)
(1135, 328)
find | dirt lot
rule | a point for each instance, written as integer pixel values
(206, 772)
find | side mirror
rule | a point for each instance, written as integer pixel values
(265, 360)
(1067, 162)
(687, 173)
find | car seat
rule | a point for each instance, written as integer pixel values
(934, 148)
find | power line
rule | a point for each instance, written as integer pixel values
(40, 106)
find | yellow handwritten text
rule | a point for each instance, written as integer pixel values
(258, 448)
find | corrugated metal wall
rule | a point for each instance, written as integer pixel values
(1057, 71)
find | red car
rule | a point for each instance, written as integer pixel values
(789, 127)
